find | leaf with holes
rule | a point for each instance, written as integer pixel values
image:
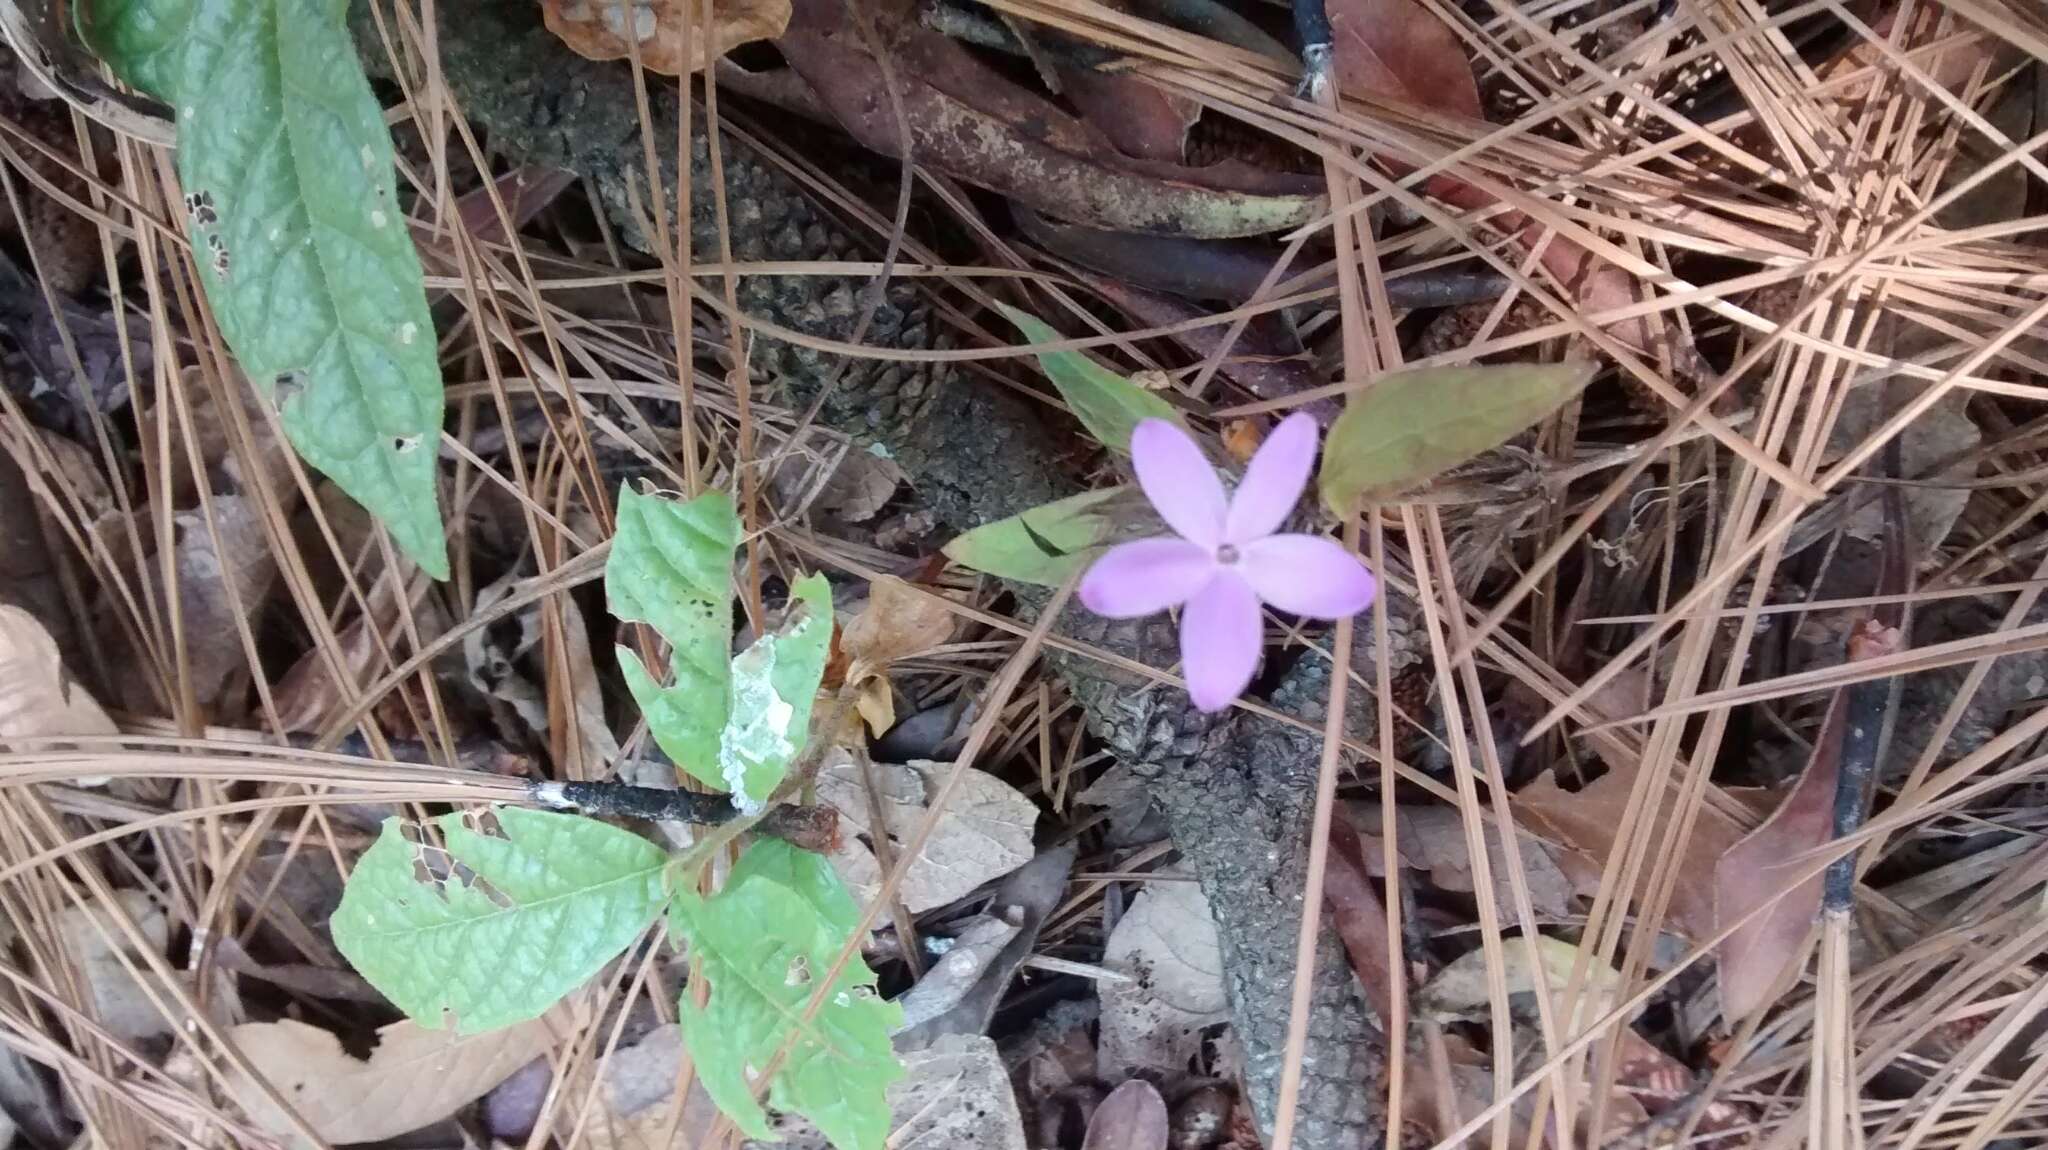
(508, 912)
(1413, 425)
(1106, 403)
(762, 946)
(292, 210)
(671, 567)
(1044, 545)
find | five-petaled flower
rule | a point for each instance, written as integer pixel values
(1225, 558)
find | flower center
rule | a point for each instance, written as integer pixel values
(1226, 554)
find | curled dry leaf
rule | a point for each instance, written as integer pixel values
(962, 998)
(971, 122)
(1432, 840)
(1399, 48)
(36, 696)
(1167, 943)
(1133, 1117)
(1462, 989)
(1587, 823)
(414, 1076)
(985, 832)
(899, 621)
(599, 29)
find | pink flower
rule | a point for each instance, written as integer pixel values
(1226, 559)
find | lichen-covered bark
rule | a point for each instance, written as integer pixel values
(1236, 791)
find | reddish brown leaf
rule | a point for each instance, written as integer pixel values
(1359, 915)
(1399, 48)
(1142, 120)
(524, 191)
(971, 122)
(1133, 1117)
(1758, 869)
(1587, 822)
(595, 29)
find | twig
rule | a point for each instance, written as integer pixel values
(814, 828)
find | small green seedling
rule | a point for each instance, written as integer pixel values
(486, 917)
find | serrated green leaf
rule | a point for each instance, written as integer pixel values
(762, 947)
(1106, 403)
(1044, 545)
(805, 872)
(292, 209)
(1413, 425)
(671, 567)
(511, 910)
(773, 684)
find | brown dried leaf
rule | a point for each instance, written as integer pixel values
(36, 697)
(1167, 943)
(414, 1077)
(899, 621)
(985, 832)
(1431, 839)
(1759, 869)
(1133, 1117)
(971, 122)
(1399, 48)
(1587, 822)
(307, 696)
(596, 29)
(1141, 119)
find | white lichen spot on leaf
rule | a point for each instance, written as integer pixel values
(757, 730)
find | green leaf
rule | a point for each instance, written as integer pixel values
(671, 567)
(805, 872)
(1413, 425)
(1106, 403)
(773, 684)
(292, 209)
(146, 41)
(508, 912)
(1044, 545)
(762, 946)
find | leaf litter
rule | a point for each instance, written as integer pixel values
(1716, 205)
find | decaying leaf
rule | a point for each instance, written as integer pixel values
(956, 971)
(306, 695)
(971, 122)
(1762, 868)
(600, 29)
(1133, 1117)
(94, 941)
(861, 486)
(960, 995)
(899, 621)
(1167, 944)
(413, 1077)
(955, 1095)
(36, 696)
(1462, 988)
(1432, 839)
(985, 832)
(1586, 823)
(1399, 48)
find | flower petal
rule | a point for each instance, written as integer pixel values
(1308, 575)
(1273, 481)
(1179, 481)
(1146, 575)
(1221, 636)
